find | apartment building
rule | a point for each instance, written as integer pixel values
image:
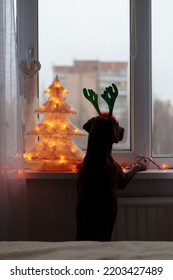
(96, 75)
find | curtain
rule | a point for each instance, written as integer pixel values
(13, 196)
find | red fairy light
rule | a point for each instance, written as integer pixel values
(164, 166)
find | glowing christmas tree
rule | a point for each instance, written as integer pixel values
(55, 151)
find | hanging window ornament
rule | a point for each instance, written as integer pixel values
(29, 69)
(29, 72)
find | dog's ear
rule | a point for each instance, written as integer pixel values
(88, 125)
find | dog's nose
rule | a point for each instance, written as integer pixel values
(121, 133)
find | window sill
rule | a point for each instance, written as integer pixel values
(50, 175)
(155, 174)
(149, 174)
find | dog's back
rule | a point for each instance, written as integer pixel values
(96, 207)
(96, 186)
(99, 176)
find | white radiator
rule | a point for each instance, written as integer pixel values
(142, 218)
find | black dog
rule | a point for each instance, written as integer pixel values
(99, 178)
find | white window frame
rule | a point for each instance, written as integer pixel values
(140, 71)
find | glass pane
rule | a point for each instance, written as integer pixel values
(162, 74)
(86, 43)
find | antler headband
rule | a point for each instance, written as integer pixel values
(109, 95)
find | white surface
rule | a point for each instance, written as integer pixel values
(149, 174)
(86, 250)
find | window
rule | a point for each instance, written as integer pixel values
(162, 72)
(81, 42)
(142, 69)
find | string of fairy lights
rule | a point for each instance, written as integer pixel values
(146, 161)
(56, 149)
(139, 159)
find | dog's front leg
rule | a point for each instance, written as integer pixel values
(125, 177)
(136, 168)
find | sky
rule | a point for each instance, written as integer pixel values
(83, 30)
(99, 29)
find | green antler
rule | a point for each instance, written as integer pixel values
(109, 95)
(92, 97)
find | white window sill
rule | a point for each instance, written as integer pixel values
(149, 174)
(155, 174)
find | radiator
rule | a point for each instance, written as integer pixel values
(142, 218)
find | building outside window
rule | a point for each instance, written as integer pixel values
(162, 72)
(96, 75)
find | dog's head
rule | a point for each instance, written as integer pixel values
(105, 129)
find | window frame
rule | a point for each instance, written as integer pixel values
(140, 80)
(27, 28)
(140, 71)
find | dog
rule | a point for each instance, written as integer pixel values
(99, 179)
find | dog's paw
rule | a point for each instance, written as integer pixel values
(141, 167)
